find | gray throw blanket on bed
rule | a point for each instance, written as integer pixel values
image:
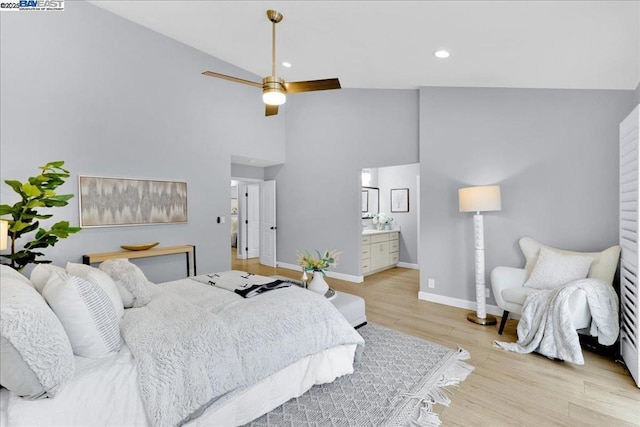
(545, 324)
(193, 344)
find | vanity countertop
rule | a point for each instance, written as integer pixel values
(370, 232)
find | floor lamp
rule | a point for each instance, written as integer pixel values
(480, 199)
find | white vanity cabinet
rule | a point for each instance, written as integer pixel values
(379, 251)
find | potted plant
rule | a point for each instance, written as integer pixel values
(318, 264)
(38, 192)
(383, 221)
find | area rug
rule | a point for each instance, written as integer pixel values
(396, 383)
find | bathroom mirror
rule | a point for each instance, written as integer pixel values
(370, 201)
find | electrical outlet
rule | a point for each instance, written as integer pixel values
(487, 293)
(432, 283)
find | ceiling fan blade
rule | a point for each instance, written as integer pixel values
(271, 110)
(312, 85)
(233, 79)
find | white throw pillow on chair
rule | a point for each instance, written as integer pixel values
(603, 267)
(554, 269)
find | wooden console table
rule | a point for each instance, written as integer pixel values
(167, 250)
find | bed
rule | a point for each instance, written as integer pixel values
(119, 392)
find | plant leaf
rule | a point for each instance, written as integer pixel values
(31, 190)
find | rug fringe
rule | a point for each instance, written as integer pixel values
(422, 415)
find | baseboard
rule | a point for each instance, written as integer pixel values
(335, 275)
(455, 302)
(408, 265)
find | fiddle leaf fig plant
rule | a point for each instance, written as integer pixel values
(38, 192)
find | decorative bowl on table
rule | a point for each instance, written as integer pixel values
(140, 247)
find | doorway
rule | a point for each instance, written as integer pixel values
(253, 227)
(390, 195)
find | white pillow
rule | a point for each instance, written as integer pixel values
(6, 271)
(34, 349)
(41, 273)
(132, 283)
(86, 313)
(603, 267)
(101, 279)
(554, 269)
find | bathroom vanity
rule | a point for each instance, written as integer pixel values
(379, 250)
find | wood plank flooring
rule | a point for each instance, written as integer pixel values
(505, 389)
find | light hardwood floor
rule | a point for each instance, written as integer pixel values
(505, 389)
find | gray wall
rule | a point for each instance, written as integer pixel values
(112, 98)
(330, 137)
(553, 152)
(246, 171)
(404, 176)
(637, 95)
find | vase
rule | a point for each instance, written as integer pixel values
(318, 284)
(387, 226)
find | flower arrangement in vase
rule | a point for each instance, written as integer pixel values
(318, 264)
(383, 221)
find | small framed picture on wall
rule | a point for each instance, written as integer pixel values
(399, 200)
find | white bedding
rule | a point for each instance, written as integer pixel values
(104, 392)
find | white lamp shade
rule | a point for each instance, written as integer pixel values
(479, 199)
(4, 233)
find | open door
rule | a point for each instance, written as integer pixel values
(253, 220)
(268, 223)
(242, 218)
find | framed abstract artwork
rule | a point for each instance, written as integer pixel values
(399, 200)
(110, 202)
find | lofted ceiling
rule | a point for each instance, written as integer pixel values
(390, 44)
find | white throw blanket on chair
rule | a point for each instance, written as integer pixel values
(545, 324)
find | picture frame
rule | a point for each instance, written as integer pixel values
(365, 201)
(399, 200)
(113, 202)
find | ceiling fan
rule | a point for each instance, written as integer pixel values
(274, 89)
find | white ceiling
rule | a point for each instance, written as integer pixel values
(384, 44)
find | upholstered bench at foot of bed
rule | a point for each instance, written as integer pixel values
(352, 308)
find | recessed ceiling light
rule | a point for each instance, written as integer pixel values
(442, 54)
(286, 64)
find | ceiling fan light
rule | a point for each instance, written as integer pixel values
(273, 97)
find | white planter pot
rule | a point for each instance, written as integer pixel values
(318, 284)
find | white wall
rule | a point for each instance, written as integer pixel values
(403, 176)
(112, 98)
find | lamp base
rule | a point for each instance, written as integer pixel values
(489, 320)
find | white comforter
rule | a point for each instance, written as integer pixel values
(190, 352)
(545, 324)
(106, 391)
